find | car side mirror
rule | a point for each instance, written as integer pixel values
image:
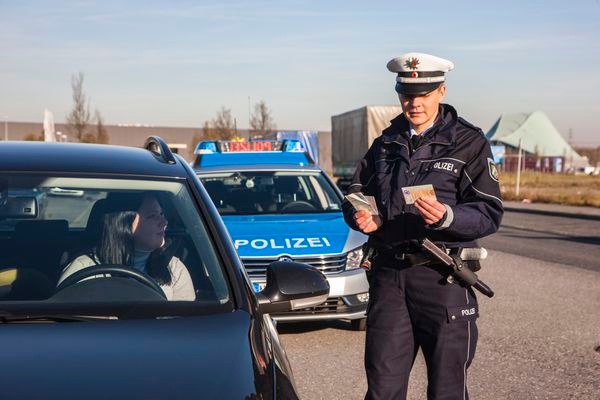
(292, 286)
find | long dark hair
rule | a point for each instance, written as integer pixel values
(116, 243)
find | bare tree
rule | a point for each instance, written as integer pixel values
(261, 121)
(204, 134)
(102, 136)
(206, 131)
(79, 117)
(223, 126)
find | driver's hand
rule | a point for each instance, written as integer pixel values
(367, 222)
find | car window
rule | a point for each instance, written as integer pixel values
(52, 227)
(271, 192)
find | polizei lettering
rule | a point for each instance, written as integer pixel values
(448, 166)
(287, 243)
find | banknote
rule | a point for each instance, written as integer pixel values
(412, 193)
(361, 201)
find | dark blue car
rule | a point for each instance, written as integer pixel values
(178, 319)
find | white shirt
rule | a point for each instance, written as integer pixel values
(180, 288)
(413, 132)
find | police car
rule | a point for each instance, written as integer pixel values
(279, 205)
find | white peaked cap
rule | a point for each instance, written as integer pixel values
(419, 73)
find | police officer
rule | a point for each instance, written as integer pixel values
(413, 302)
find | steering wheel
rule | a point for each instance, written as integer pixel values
(299, 205)
(113, 270)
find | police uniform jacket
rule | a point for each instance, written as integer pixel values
(455, 158)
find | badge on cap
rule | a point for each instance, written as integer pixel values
(412, 63)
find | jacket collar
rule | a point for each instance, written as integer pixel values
(442, 131)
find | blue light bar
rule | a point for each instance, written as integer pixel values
(252, 159)
(293, 145)
(206, 147)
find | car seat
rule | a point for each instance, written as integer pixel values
(24, 284)
(218, 194)
(286, 189)
(39, 245)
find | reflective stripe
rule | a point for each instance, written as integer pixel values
(361, 185)
(479, 191)
(449, 218)
(385, 159)
(445, 158)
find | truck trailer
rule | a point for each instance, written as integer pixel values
(351, 135)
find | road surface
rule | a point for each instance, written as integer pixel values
(538, 336)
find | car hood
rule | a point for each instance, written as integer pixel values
(194, 357)
(295, 235)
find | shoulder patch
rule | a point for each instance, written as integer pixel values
(492, 169)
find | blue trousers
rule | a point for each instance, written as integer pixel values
(414, 307)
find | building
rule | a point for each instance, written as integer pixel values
(182, 140)
(543, 147)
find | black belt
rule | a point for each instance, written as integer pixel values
(410, 257)
(414, 258)
(422, 258)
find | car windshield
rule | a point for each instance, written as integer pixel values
(271, 192)
(145, 240)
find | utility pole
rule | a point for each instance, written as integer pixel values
(571, 148)
(518, 186)
(249, 118)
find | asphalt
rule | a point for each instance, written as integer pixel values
(553, 209)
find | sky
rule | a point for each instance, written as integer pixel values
(177, 63)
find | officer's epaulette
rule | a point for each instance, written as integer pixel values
(390, 135)
(469, 125)
(395, 129)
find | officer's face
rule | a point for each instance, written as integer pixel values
(421, 110)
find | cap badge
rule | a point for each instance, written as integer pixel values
(412, 63)
(414, 74)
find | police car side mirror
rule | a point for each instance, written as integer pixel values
(292, 286)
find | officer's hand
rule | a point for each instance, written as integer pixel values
(366, 222)
(432, 211)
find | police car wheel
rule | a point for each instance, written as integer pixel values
(359, 324)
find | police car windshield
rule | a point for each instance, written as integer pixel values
(271, 192)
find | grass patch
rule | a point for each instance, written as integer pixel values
(577, 190)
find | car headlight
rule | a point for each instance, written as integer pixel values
(353, 259)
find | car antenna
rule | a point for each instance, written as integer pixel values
(159, 147)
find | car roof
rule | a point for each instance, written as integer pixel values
(86, 158)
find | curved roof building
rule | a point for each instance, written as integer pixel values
(538, 134)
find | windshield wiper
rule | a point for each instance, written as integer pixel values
(8, 319)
